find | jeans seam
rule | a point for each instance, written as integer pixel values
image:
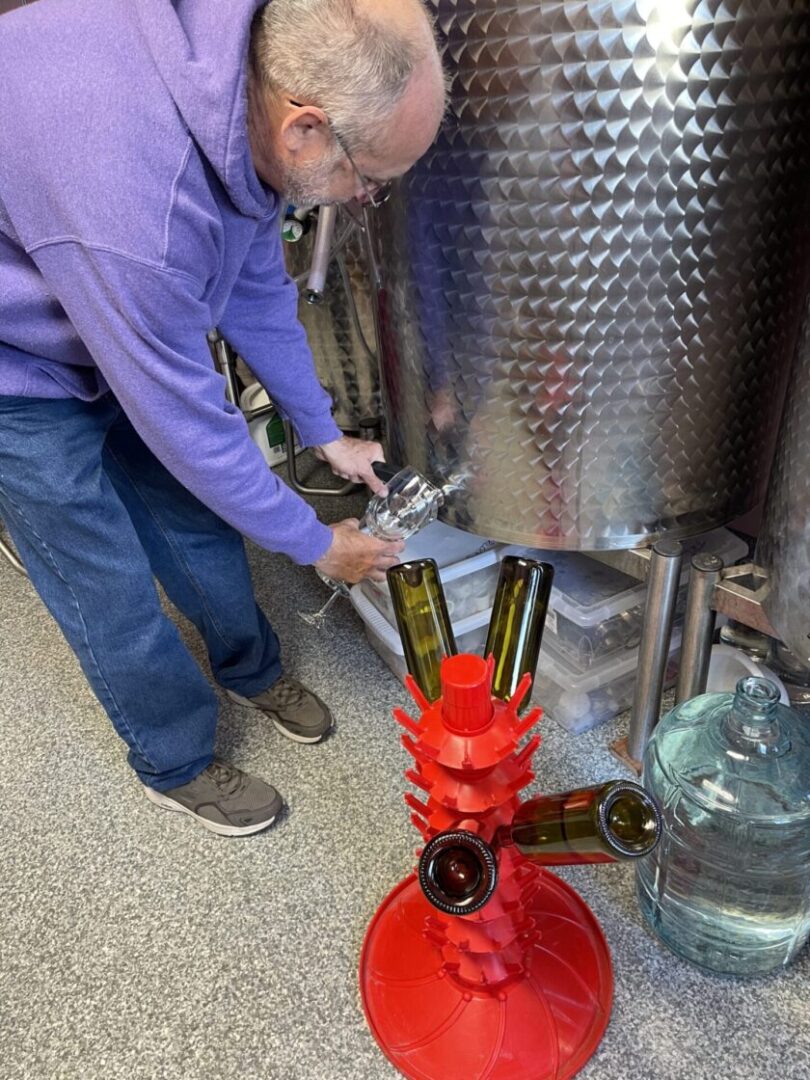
(75, 600)
(185, 568)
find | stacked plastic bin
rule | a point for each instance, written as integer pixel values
(469, 567)
(587, 668)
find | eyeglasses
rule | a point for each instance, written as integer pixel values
(377, 192)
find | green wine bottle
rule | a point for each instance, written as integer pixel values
(517, 621)
(607, 823)
(423, 622)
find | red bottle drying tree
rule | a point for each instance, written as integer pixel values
(508, 977)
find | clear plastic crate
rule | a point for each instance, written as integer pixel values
(579, 701)
(578, 695)
(468, 567)
(470, 634)
(596, 612)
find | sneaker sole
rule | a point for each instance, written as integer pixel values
(161, 800)
(308, 739)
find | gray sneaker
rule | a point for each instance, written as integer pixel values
(297, 712)
(224, 799)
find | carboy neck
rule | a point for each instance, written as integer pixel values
(752, 723)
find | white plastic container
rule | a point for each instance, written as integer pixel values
(728, 665)
(266, 431)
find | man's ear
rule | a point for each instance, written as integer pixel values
(305, 131)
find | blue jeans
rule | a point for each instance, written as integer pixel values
(95, 518)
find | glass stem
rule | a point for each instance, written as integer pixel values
(318, 618)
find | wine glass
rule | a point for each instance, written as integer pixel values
(408, 503)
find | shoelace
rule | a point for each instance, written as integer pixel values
(287, 693)
(227, 778)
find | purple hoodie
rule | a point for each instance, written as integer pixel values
(132, 221)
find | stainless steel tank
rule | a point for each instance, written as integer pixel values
(592, 282)
(784, 543)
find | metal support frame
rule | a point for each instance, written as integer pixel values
(292, 469)
(322, 254)
(737, 592)
(698, 629)
(225, 359)
(663, 580)
(740, 596)
(660, 568)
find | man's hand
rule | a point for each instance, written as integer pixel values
(351, 459)
(354, 555)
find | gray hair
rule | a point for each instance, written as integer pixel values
(335, 56)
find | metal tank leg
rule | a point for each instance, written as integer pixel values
(662, 591)
(698, 630)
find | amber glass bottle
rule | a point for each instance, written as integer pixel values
(607, 823)
(423, 622)
(517, 621)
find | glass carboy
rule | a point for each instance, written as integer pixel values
(729, 885)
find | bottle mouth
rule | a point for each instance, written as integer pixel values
(752, 723)
(761, 693)
(629, 820)
(458, 872)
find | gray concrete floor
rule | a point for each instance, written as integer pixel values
(135, 945)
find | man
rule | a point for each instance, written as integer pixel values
(146, 150)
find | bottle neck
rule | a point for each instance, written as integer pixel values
(752, 723)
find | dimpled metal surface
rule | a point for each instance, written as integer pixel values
(784, 544)
(592, 281)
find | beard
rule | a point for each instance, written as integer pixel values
(308, 186)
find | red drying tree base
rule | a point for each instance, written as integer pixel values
(520, 990)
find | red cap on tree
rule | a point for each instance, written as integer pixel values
(466, 694)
